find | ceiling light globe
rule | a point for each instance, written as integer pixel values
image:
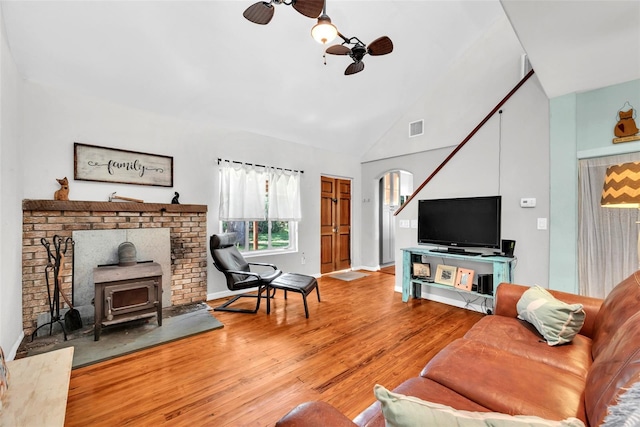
(324, 31)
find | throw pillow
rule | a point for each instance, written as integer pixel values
(557, 321)
(408, 411)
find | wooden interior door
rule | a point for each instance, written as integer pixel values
(335, 224)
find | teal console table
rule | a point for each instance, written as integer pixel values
(502, 269)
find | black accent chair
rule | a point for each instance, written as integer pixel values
(228, 260)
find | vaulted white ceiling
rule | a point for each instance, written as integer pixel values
(201, 60)
(576, 46)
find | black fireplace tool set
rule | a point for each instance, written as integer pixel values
(72, 319)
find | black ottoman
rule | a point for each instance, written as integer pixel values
(295, 283)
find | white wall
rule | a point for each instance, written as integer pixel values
(11, 171)
(521, 172)
(511, 160)
(453, 106)
(54, 119)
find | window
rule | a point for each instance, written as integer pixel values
(263, 235)
(261, 205)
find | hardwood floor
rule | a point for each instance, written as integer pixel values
(258, 367)
(390, 269)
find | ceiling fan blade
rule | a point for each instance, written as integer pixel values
(380, 46)
(356, 67)
(259, 13)
(338, 49)
(309, 8)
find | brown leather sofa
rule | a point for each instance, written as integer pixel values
(503, 365)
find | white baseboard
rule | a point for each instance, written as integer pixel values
(366, 268)
(227, 293)
(14, 349)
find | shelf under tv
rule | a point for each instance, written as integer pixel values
(501, 268)
(417, 281)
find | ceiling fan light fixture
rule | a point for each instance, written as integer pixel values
(324, 31)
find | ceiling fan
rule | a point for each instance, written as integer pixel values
(262, 11)
(380, 46)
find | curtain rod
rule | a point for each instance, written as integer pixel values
(261, 166)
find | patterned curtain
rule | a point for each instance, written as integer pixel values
(607, 237)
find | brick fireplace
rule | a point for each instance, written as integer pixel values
(47, 218)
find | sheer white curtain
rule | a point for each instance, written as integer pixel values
(242, 192)
(284, 195)
(607, 237)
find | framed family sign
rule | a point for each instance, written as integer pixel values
(93, 163)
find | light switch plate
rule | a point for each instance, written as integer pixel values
(542, 223)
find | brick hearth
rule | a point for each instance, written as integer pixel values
(46, 218)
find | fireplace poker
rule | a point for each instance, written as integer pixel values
(54, 298)
(72, 318)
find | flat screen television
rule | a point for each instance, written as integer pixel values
(460, 222)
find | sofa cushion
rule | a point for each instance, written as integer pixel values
(504, 382)
(422, 388)
(521, 338)
(409, 411)
(617, 367)
(621, 303)
(557, 321)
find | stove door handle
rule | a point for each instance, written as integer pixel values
(109, 309)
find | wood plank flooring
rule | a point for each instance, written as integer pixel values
(390, 269)
(259, 366)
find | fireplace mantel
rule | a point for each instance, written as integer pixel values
(89, 206)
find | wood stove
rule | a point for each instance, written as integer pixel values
(127, 292)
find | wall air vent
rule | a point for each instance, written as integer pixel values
(416, 128)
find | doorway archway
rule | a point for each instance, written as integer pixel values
(395, 187)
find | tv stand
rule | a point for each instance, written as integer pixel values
(457, 251)
(500, 266)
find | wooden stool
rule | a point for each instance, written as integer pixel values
(295, 283)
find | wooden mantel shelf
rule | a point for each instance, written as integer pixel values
(88, 206)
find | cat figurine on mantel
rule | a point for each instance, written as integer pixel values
(63, 192)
